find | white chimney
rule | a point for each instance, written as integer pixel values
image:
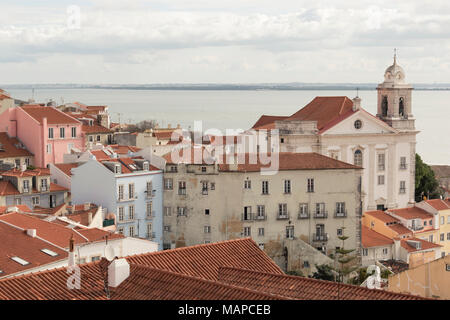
(118, 271)
(31, 233)
(356, 103)
(89, 217)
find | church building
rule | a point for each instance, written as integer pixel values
(339, 127)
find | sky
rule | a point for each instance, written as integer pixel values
(232, 41)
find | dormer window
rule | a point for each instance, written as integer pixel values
(117, 168)
(145, 166)
(358, 124)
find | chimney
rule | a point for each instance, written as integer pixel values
(87, 206)
(89, 217)
(356, 103)
(118, 271)
(31, 233)
(71, 252)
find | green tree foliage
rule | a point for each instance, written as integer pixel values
(345, 258)
(426, 183)
(324, 272)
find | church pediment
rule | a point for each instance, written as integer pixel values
(361, 122)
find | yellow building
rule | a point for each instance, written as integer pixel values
(431, 280)
(441, 211)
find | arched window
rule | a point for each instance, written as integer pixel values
(401, 107)
(358, 159)
(384, 106)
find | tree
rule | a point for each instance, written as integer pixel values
(345, 259)
(426, 183)
(323, 272)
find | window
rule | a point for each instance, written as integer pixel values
(149, 230)
(303, 210)
(402, 187)
(50, 133)
(357, 158)
(381, 180)
(149, 189)
(49, 148)
(167, 211)
(213, 186)
(290, 232)
(131, 191)
(173, 169)
(62, 133)
(167, 229)
(261, 246)
(168, 184)
(181, 211)
(35, 201)
(339, 232)
(145, 166)
(27, 161)
(261, 232)
(365, 252)
(91, 138)
(287, 186)
(121, 215)
(358, 124)
(131, 212)
(207, 229)
(182, 187)
(310, 186)
(98, 138)
(247, 184)
(320, 210)
(282, 210)
(265, 187)
(203, 169)
(204, 187)
(26, 186)
(247, 231)
(340, 209)
(448, 219)
(44, 185)
(381, 161)
(131, 231)
(401, 107)
(247, 213)
(448, 235)
(120, 230)
(149, 208)
(95, 258)
(74, 132)
(384, 106)
(425, 222)
(442, 220)
(442, 238)
(260, 212)
(403, 163)
(206, 212)
(120, 192)
(385, 251)
(69, 147)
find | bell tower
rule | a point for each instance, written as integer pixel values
(394, 99)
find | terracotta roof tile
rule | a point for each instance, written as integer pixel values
(304, 288)
(21, 207)
(371, 238)
(95, 128)
(267, 122)
(8, 189)
(425, 244)
(411, 213)
(439, 204)
(67, 167)
(53, 115)
(204, 260)
(10, 147)
(27, 173)
(380, 215)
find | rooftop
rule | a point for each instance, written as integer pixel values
(11, 147)
(67, 167)
(425, 245)
(439, 204)
(371, 238)
(53, 115)
(411, 213)
(382, 216)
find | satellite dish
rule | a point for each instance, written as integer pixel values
(109, 253)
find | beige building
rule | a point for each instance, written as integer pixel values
(302, 207)
(431, 280)
(340, 128)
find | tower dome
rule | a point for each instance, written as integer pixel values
(394, 73)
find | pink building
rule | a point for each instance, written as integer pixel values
(46, 132)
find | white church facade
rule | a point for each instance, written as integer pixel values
(384, 145)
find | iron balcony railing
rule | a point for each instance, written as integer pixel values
(320, 237)
(261, 217)
(282, 216)
(340, 214)
(247, 217)
(321, 214)
(108, 222)
(403, 166)
(303, 215)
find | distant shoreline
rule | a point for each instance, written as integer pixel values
(224, 87)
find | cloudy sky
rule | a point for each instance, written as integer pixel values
(232, 41)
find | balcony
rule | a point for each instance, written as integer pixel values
(247, 217)
(417, 228)
(44, 189)
(322, 237)
(150, 193)
(108, 222)
(303, 215)
(282, 216)
(403, 166)
(205, 192)
(340, 214)
(321, 214)
(260, 217)
(182, 192)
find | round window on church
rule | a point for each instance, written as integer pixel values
(358, 124)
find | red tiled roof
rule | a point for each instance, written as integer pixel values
(425, 245)
(7, 189)
(100, 155)
(51, 211)
(56, 187)
(167, 135)
(267, 122)
(439, 204)
(15, 242)
(380, 215)
(53, 115)
(21, 207)
(400, 229)
(411, 213)
(27, 173)
(67, 167)
(56, 233)
(9, 147)
(371, 238)
(304, 288)
(120, 149)
(95, 128)
(204, 260)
